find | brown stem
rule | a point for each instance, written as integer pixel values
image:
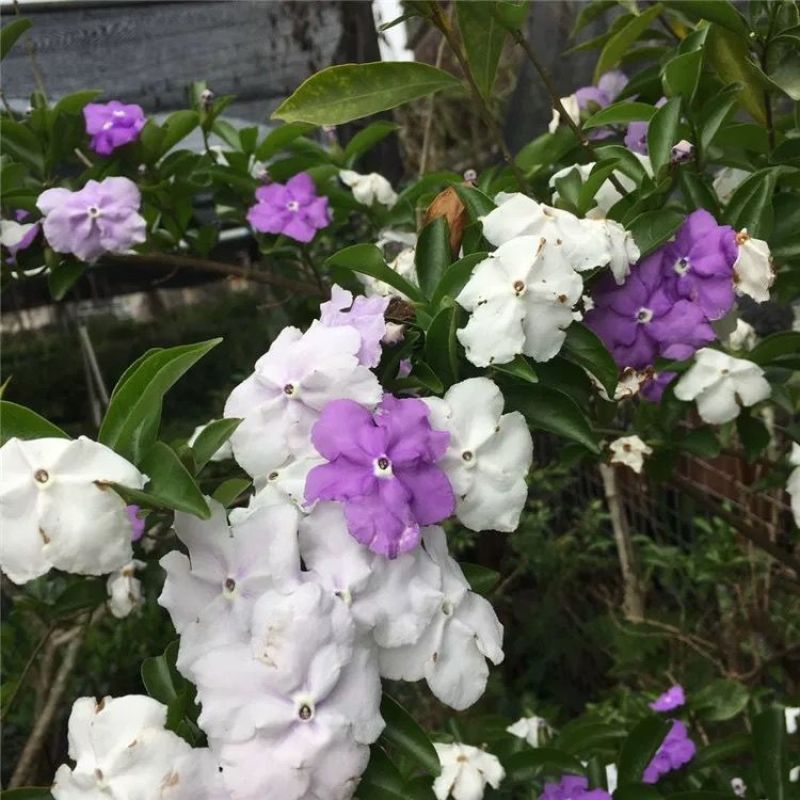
(426, 136)
(559, 106)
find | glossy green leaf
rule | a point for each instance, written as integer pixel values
(279, 137)
(171, 482)
(475, 201)
(367, 259)
(441, 352)
(346, 92)
(20, 142)
(637, 791)
(616, 47)
(715, 112)
(520, 368)
(682, 74)
(591, 186)
(732, 749)
(228, 491)
(580, 737)
(27, 793)
(84, 595)
(640, 747)
(403, 732)
(786, 74)
(770, 747)
(530, 763)
(481, 579)
(131, 422)
(177, 126)
(62, 277)
(381, 780)
(620, 113)
(74, 103)
(753, 435)
(702, 442)
(367, 138)
(662, 133)
(160, 676)
(456, 276)
(751, 204)
(775, 348)
(697, 191)
(22, 423)
(721, 12)
(582, 347)
(432, 254)
(545, 150)
(653, 228)
(11, 32)
(211, 438)
(483, 38)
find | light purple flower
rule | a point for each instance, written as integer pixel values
(673, 698)
(642, 319)
(293, 209)
(653, 387)
(100, 218)
(112, 125)
(636, 135)
(572, 787)
(682, 152)
(383, 468)
(608, 88)
(700, 263)
(365, 314)
(676, 750)
(18, 235)
(137, 522)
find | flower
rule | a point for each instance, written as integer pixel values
(293, 209)
(701, 260)
(391, 600)
(403, 264)
(197, 777)
(656, 382)
(210, 595)
(742, 337)
(738, 787)
(727, 181)
(721, 385)
(125, 590)
(792, 716)
(100, 218)
(383, 468)
(585, 243)
(573, 787)
(56, 509)
(636, 135)
(451, 653)
(368, 189)
(793, 483)
(17, 235)
(521, 299)
(571, 106)
(292, 382)
(642, 319)
(121, 750)
(223, 452)
(112, 125)
(608, 88)
(752, 272)
(137, 522)
(488, 456)
(675, 751)
(673, 698)
(630, 451)
(534, 730)
(466, 771)
(682, 152)
(364, 314)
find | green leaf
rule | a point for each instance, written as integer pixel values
(751, 204)
(483, 38)
(520, 368)
(591, 186)
(682, 74)
(545, 150)
(11, 32)
(640, 747)
(653, 228)
(719, 11)
(621, 41)
(177, 126)
(381, 780)
(403, 732)
(723, 750)
(367, 138)
(786, 74)
(620, 114)
(481, 579)
(74, 103)
(211, 438)
(86, 594)
(20, 142)
(753, 434)
(346, 92)
(662, 134)
(432, 255)
(703, 442)
(228, 491)
(716, 111)
(551, 410)
(367, 259)
(699, 794)
(697, 191)
(475, 201)
(171, 482)
(729, 54)
(637, 791)
(581, 736)
(279, 137)
(583, 348)
(160, 676)
(770, 749)
(776, 348)
(530, 763)
(456, 276)
(22, 423)
(27, 793)
(62, 277)
(441, 352)
(132, 419)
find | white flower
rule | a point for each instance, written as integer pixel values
(629, 450)
(303, 664)
(292, 382)
(451, 653)
(124, 589)
(403, 264)
(721, 385)
(466, 771)
(289, 479)
(792, 716)
(727, 181)
(488, 457)
(534, 730)
(585, 243)
(223, 453)
(572, 108)
(368, 189)
(394, 600)
(738, 787)
(793, 484)
(742, 337)
(521, 298)
(121, 750)
(612, 778)
(55, 510)
(12, 233)
(794, 774)
(210, 595)
(753, 273)
(394, 333)
(197, 776)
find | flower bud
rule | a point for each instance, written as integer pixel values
(447, 204)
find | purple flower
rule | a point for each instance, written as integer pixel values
(572, 787)
(383, 468)
(701, 261)
(365, 314)
(676, 750)
(636, 135)
(608, 88)
(112, 125)
(136, 521)
(100, 218)
(673, 698)
(292, 209)
(653, 388)
(18, 235)
(642, 319)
